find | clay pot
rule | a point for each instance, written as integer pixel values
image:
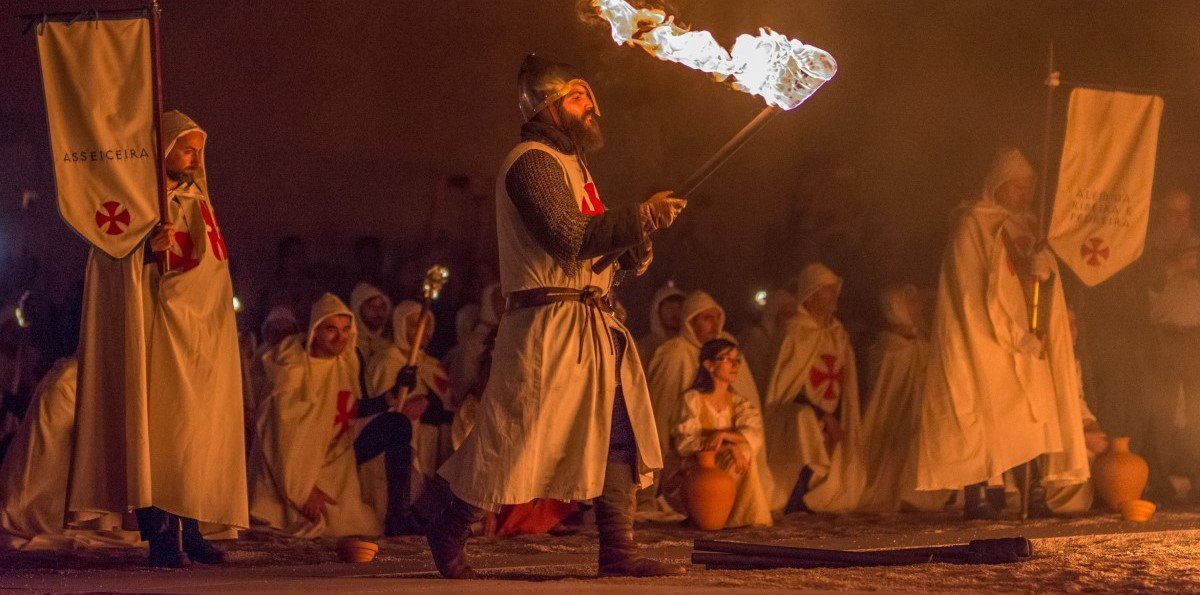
(1137, 510)
(351, 549)
(1119, 475)
(708, 493)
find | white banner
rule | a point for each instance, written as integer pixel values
(1102, 203)
(99, 103)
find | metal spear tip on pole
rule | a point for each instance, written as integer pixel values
(435, 278)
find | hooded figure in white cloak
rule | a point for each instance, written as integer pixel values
(713, 415)
(465, 373)
(33, 479)
(675, 364)
(899, 359)
(666, 321)
(315, 431)
(160, 402)
(811, 410)
(996, 394)
(371, 308)
(760, 343)
(566, 413)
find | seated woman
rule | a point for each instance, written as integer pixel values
(713, 416)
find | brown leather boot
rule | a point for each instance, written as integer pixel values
(614, 519)
(447, 537)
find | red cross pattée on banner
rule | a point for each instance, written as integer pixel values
(1094, 252)
(591, 204)
(112, 218)
(215, 239)
(347, 410)
(825, 377)
(182, 256)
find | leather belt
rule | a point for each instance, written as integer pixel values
(592, 297)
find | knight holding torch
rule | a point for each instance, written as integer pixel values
(566, 412)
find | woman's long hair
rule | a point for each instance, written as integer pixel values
(709, 352)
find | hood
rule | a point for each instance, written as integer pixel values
(695, 303)
(894, 302)
(276, 314)
(664, 292)
(364, 292)
(174, 125)
(812, 278)
(328, 306)
(400, 323)
(1009, 165)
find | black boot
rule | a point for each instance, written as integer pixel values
(996, 497)
(614, 520)
(161, 529)
(198, 548)
(400, 519)
(447, 538)
(976, 505)
(1038, 509)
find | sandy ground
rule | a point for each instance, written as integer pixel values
(1092, 553)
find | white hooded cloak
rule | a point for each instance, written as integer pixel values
(991, 403)
(160, 386)
(369, 341)
(33, 479)
(760, 343)
(814, 369)
(648, 344)
(306, 437)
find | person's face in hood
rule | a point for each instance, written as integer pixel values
(670, 313)
(706, 325)
(1175, 216)
(183, 161)
(1016, 195)
(824, 302)
(374, 313)
(332, 336)
(576, 115)
(411, 328)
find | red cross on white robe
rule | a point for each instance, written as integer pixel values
(215, 239)
(112, 218)
(591, 205)
(182, 256)
(825, 381)
(347, 410)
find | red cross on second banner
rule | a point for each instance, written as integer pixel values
(1102, 204)
(97, 79)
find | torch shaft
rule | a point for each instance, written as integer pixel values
(713, 164)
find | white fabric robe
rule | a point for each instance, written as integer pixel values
(542, 430)
(793, 430)
(990, 403)
(891, 424)
(33, 479)
(369, 341)
(658, 335)
(673, 370)
(306, 434)
(160, 398)
(694, 418)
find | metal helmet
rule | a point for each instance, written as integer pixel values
(542, 82)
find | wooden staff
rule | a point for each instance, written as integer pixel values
(435, 278)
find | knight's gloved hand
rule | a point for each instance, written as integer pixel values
(407, 378)
(660, 210)
(1040, 265)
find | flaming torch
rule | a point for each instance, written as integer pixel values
(783, 71)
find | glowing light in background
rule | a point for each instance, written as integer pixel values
(760, 297)
(781, 70)
(237, 305)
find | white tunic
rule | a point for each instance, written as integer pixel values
(542, 430)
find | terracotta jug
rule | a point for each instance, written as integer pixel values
(1119, 475)
(708, 492)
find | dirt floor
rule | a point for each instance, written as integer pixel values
(1092, 553)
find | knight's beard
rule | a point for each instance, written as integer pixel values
(585, 132)
(182, 177)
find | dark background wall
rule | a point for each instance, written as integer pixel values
(336, 119)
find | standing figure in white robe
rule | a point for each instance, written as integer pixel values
(466, 373)
(160, 403)
(811, 409)
(33, 478)
(996, 394)
(429, 400)
(675, 364)
(371, 308)
(315, 431)
(666, 321)
(899, 359)
(713, 415)
(760, 343)
(566, 413)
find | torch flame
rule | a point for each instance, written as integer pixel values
(782, 71)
